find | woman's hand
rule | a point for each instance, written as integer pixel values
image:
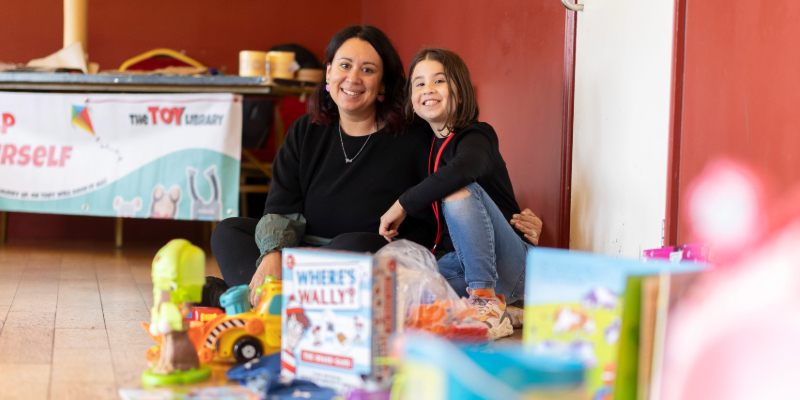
(392, 220)
(270, 265)
(529, 224)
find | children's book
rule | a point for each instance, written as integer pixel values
(648, 300)
(575, 304)
(659, 294)
(337, 318)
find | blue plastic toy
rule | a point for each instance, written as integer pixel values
(236, 300)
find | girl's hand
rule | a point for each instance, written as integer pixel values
(529, 224)
(392, 220)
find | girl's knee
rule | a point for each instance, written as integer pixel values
(457, 195)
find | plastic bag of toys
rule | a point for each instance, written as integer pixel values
(424, 298)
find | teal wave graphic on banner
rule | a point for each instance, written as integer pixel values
(193, 184)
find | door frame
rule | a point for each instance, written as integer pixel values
(672, 212)
(567, 115)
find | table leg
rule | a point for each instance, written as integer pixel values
(3, 227)
(242, 196)
(118, 231)
(279, 132)
(208, 230)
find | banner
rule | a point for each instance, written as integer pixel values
(171, 156)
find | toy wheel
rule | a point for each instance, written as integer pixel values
(247, 348)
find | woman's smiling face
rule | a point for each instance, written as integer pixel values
(355, 76)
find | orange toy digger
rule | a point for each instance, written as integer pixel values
(242, 336)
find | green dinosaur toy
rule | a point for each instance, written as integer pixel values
(178, 279)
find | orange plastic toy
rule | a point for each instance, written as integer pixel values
(434, 318)
(242, 337)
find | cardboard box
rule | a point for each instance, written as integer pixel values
(338, 314)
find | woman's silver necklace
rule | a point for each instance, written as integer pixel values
(349, 160)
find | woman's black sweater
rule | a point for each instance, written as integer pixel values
(310, 176)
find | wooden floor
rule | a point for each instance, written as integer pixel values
(70, 318)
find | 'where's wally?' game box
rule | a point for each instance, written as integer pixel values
(337, 317)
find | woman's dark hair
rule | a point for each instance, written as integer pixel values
(463, 106)
(388, 112)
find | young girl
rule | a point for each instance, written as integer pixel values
(470, 180)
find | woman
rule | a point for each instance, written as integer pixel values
(340, 167)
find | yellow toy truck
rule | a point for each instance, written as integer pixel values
(238, 333)
(244, 335)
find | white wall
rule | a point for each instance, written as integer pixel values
(620, 132)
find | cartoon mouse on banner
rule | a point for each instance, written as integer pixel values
(201, 209)
(164, 205)
(127, 209)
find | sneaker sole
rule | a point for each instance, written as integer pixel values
(502, 330)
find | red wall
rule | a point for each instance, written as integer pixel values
(514, 48)
(212, 32)
(99, 229)
(515, 52)
(741, 90)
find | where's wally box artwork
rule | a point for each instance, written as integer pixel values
(337, 318)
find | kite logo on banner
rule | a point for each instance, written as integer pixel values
(80, 117)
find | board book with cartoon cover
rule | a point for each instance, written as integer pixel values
(574, 304)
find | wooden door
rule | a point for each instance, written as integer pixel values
(623, 72)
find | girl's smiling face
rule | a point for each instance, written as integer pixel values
(355, 76)
(430, 94)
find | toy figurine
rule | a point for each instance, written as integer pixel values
(178, 279)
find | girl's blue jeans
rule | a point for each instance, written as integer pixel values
(488, 253)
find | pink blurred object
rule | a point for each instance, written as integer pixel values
(696, 252)
(735, 335)
(726, 208)
(365, 394)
